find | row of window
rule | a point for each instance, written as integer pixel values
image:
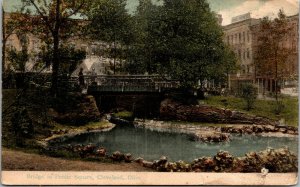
(243, 54)
(238, 38)
(246, 69)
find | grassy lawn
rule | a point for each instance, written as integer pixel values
(124, 115)
(41, 130)
(91, 126)
(265, 108)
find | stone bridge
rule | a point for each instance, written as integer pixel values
(140, 94)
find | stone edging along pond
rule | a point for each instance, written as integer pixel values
(63, 137)
(274, 160)
(219, 133)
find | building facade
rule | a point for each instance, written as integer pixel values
(241, 36)
(96, 61)
(287, 70)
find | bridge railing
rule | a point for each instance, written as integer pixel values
(127, 83)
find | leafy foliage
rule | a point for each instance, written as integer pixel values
(19, 58)
(249, 94)
(180, 39)
(272, 52)
(69, 56)
(111, 23)
(52, 22)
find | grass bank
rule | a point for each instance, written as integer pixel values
(264, 108)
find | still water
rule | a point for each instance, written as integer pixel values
(152, 144)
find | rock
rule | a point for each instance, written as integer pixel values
(117, 156)
(205, 164)
(210, 137)
(128, 158)
(139, 160)
(163, 160)
(82, 110)
(283, 130)
(101, 152)
(181, 166)
(147, 164)
(85, 151)
(171, 167)
(174, 110)
(275, 160)
(224, 161)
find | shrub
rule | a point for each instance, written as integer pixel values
(249, 94)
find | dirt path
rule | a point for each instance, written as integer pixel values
(17, 160)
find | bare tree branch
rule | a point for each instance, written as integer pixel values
(76, 10)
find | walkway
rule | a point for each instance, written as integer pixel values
(17, 160)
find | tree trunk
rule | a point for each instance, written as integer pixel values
(55, 59)
(276, 75)
(115, 56)
(55, 63)
(3, 42)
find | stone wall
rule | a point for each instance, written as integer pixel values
(172, 110)
(141, 105)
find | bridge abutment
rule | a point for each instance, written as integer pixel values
(142, 105)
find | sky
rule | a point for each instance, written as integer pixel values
(227, 8)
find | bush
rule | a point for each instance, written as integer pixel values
(249, 93)
(124, 115)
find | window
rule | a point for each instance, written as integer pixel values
(244, 39)
(231, 39)
(244, 55)
(235, 38)
(240, 54)
(248, 53)
(248, 36)
(243, 69)
(240, 37)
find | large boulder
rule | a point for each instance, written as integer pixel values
(84, 110)
(174, 110)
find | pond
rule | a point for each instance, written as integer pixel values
(150, 145)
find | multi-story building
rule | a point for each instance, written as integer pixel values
(288, 68)
(13, 40)
(240, 35)
(96, 59)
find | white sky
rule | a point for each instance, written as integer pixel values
(258, 8)
(227, 8)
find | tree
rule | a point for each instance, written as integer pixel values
(181, 40)
(271, 55)
(69, 56)
(140, 52)
(110, 22)
(249, 94)
(19, 58)
(13, 23)
(227, 67)
(53, 22)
